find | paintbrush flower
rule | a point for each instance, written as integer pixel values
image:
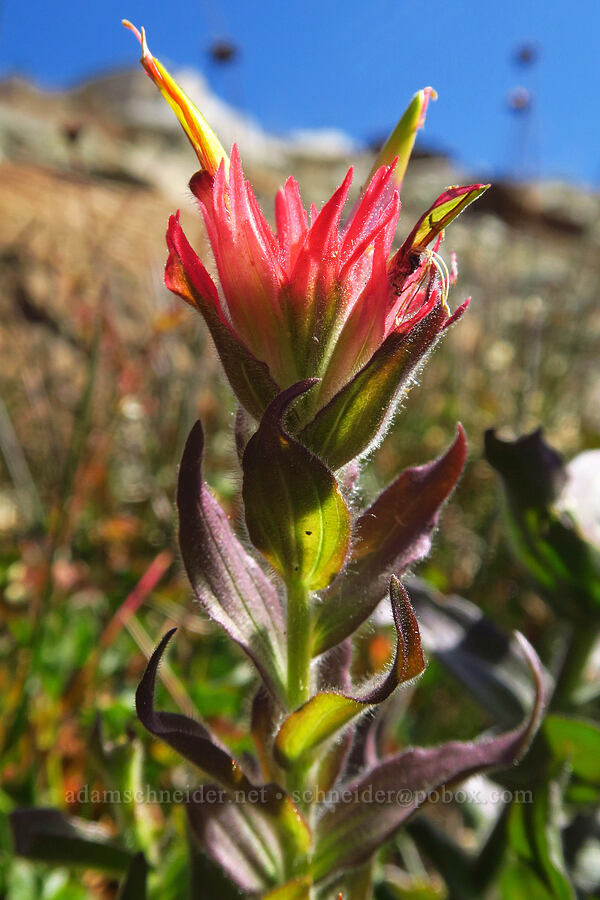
(319, 296)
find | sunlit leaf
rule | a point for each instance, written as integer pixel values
(357, 417)
(400, 143)
(295, 513)
(206, 144)
(445, 209)
(577, 742)
(519, 882)
(298, 889)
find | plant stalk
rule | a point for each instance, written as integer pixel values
(299, 649)
(298, 645)
(580, 645)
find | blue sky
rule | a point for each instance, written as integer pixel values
(354, 65)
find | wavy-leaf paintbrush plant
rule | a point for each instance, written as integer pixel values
(320, 333)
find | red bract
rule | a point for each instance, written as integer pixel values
(315, 298)
(319, 296)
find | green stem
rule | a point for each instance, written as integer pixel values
(298, 645)
(577, 653)
(299, 649)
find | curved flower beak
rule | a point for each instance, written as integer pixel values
(200, 135)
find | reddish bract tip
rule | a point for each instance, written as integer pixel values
(429, 93)
(147, 60)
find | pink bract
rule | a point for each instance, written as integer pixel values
(316, 298)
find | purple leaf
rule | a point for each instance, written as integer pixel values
(189, 738)
(295, 513)
(263, 719)
(392, 534)
(226, 579)
(532, 471)
(372, 807)
(238, 837)
(195, 743)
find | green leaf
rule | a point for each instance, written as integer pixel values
(545, 540)
(577, 742)
(326, 713)
(134, 884)
(298, 889)
(356, 418)
(295, 513)
(519, 882)
(47, 835)
(535, 839)
(403, 887)
(313, 723)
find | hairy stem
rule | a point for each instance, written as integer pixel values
(298, 645)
